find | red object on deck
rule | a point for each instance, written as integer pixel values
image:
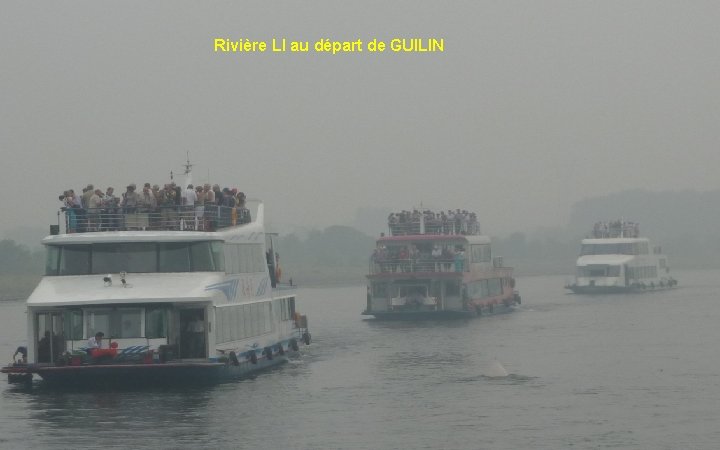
(98, 352)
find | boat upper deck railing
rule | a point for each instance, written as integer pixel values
(615, 229)
(432, 227)
(164, 218)
(417, 222)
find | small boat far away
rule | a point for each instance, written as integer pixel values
(616, 259)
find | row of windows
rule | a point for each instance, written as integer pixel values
(485, 288)
(121, 322)
(287, 308)
(636, 273)
(480, 253)
(235, 322)
(152, 257)
(625, 248)
(598, 270)
(631, 273)
(245, 258)
(387, 290)
(135, 257)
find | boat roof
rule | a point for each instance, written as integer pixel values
(144, 288)
(131, 236)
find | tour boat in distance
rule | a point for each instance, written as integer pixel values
(437, 266)
(180, 295)
(616, 259)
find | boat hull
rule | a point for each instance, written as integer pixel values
(602, 290)
(139, 375)
(438, 315)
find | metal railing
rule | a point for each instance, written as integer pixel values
(176, 218)
(434, 227)
(414, 266)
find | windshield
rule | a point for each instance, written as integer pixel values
(135, 257)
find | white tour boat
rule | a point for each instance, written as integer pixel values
(437, 266)
(179, 297)
(616, 259)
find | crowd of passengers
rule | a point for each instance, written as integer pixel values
(450, 222)
(410, 258)
(170, 208)
(616, 229)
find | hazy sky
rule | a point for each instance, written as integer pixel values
(532, 106)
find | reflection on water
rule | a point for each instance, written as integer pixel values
(637, 371)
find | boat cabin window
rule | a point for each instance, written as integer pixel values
(494, 286)
(626, 248)
(74, 260)
(287, 308)
(379, 289)
(73, 324)
(49, 340)
(155, 322)
(129, 257)
(485, 288)
(235, 322)
(135, 257)
(452, 288)
(116, 322)
(480, 253)
(598, 270)
(415, 290)
(636, 273)
(245, 258)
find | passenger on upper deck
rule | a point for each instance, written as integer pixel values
(147, 201)
(209, 194)
(130, 199)
(218, 194)
(188, 196)
(454, 222)
(87, 193)
(93, 213)
(109, 210)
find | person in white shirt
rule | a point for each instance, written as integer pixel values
(96, 341)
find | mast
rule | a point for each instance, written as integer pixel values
(188, 171)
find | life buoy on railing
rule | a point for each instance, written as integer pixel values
(233, 359)
(294, 345)
(268, 353)
(252, 357)
(306, 338)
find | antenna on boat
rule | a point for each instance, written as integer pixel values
(188, 171)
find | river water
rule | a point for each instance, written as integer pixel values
(626, 371)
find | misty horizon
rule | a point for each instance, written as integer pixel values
(530, 108)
